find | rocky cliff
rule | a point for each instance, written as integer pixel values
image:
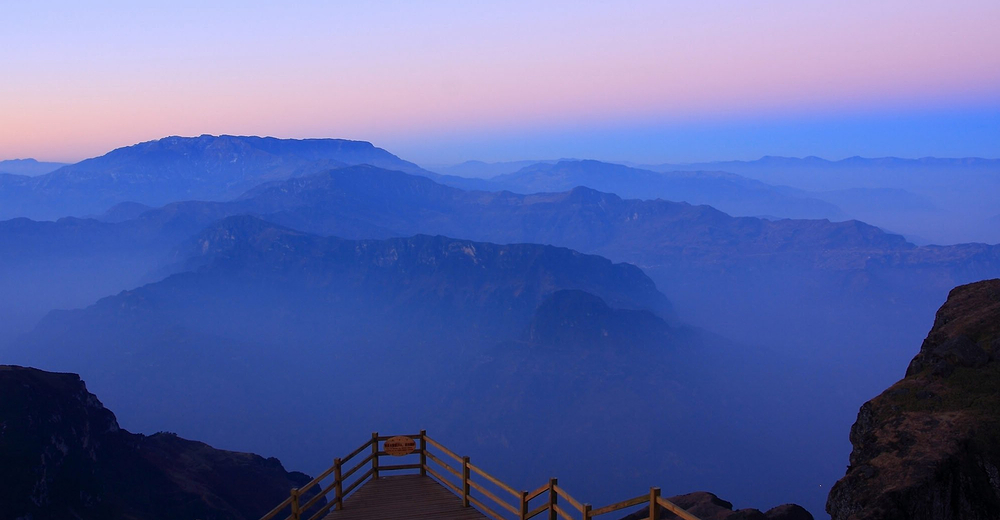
(63, 455)
(929, 446)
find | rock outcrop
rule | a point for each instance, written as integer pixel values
(929, 446)
(63, 455)
(707, 506)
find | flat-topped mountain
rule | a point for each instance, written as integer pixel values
(64, 455)
(180, 168)
(929, 446)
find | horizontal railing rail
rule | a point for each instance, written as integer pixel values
(472, 484)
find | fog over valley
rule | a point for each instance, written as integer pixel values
(536, 317)
(412, 261)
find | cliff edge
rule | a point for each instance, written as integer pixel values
(64, 456)
(929, 446)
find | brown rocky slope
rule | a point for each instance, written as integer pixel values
(929, 446)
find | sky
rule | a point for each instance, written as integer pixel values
(442, 82)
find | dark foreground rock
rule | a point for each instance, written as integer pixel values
(707, 506)
(63, 455)
(929, 446)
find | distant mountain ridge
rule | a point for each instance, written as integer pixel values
(28, 167)
(728, 192)
(334, 202)
(486, 170)
(961, 190)
(180, 168)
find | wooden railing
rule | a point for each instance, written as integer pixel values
(472, 484)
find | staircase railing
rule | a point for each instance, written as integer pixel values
(471, 483)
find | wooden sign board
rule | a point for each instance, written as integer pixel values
(399, 445)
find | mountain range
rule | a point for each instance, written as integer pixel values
(365, 283)
(930, 200)
(730, 193)
(486, 170)
(401, 330)
(692, 252)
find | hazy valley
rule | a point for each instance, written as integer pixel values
(225, 287)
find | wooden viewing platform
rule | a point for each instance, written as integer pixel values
(404, 497)
(442, 491)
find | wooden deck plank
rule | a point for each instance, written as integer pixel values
(404, 497)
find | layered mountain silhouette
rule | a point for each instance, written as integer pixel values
(336, 293)
(362, 200)
(64, 455)
(959, 191)
(678, 244)
(486, 170)
(243, 270)
(70, 263)
(261, 321)
(728, 192)
(815, 173)
(179, 168)
(244, 286)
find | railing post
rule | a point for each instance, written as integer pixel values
(586, 511)
(654, 506)
(375, 455)
(466, 488)
(524, 505)
(423, 453)
(296, 511)
(553, 498)
(338, 482)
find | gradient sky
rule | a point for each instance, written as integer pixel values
(441, 82)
